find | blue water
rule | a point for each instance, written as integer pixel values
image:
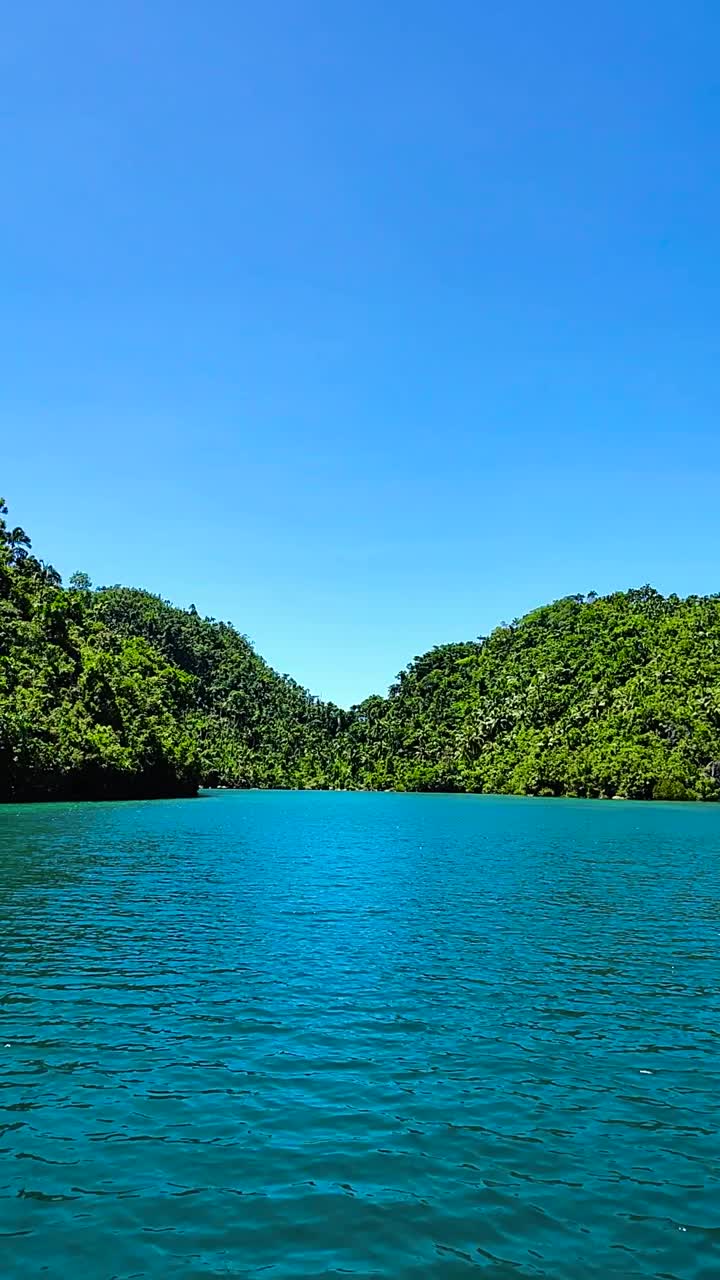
(299, 1035)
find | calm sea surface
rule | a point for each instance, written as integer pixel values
(300, 1035)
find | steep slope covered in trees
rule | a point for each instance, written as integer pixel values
(618, 696)
(116, 693)
(251, 726)
(84, 712)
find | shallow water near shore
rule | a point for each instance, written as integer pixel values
(311, 1034)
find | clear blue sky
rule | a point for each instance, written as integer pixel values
(363, 325)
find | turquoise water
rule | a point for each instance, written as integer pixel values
(298, 1035)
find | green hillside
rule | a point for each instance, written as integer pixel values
(618, 696)
(116, 693)
(250, 726)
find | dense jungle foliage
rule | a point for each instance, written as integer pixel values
(598, 697)
(115, 693)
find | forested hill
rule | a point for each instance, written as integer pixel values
(612, 696)
(116, 693)
(250, 726)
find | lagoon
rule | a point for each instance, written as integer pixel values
(282, 1034)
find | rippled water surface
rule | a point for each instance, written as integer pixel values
(304, 1035)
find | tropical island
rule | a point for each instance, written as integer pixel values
(114, 693)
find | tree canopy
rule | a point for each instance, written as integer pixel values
(598, 697)
(114, 692)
